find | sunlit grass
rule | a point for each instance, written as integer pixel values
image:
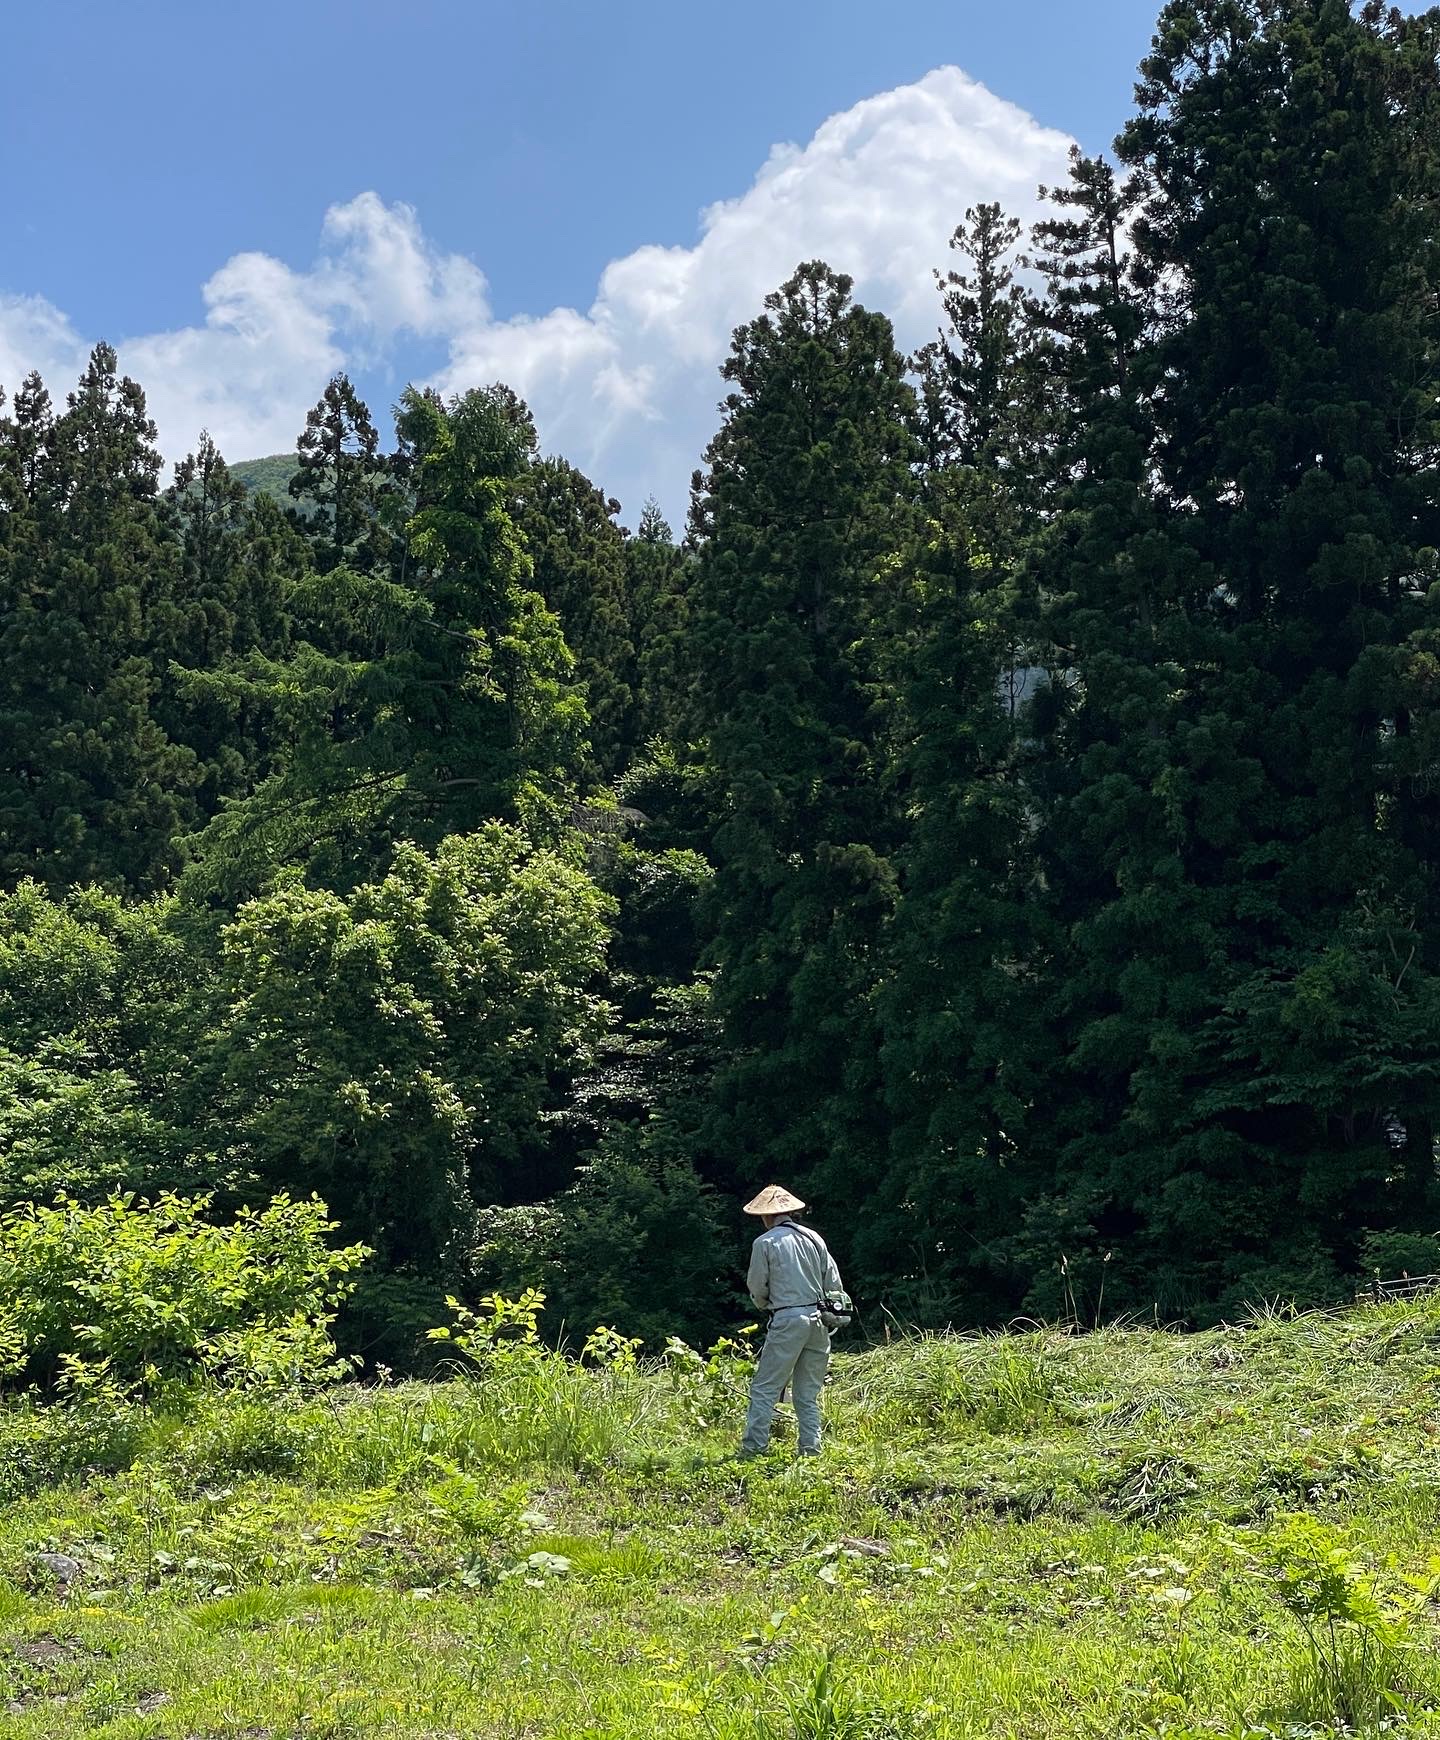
(1014, 1536)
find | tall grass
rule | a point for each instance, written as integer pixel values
(930, 1384)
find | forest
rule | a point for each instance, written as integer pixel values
(1007, 813)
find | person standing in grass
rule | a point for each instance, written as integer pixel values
(791, 1271)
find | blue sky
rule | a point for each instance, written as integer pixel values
(167, 171)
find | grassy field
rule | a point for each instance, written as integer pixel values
(1128, 1532)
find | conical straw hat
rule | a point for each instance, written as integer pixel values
(774, 1199)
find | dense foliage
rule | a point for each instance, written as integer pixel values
(1009, 816)
(125, 1298)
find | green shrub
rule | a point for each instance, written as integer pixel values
(1353, 1666)
(385, 1321)
(1393, 1254)
(636, 1242)
(223, 1437)
(130, 1297)
(530, 1404)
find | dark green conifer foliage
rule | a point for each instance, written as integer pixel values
(1237, 661)
(964, 1053)
(958, 1002)
(578, 553)
(24, 441)
(237, 557)
(352, 512)
(1084, 327)
(985, 419)
(980, 344)
(658, 575)
(91, 789)
(807, 495)
(419, 704)
(1112, 591)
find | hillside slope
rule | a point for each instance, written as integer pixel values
(1128, 1532)
(268, 476)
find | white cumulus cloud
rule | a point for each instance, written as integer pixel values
(272, 335)
(628, 387)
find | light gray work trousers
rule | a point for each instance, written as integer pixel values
(797, 1352)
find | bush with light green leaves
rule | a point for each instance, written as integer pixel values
(136, 1299)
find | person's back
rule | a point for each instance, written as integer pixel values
(791, 1266)
(791, 1271)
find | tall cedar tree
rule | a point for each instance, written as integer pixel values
(1253, 974)
(657, 580)
(237, 555)
(91, 789)
(808, 494)
(1110, 589)
(975, 379)
(578, 553)
(343, 478)
(959, 1006)
(427, 697)
(963, 1045)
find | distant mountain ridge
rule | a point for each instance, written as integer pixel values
(270, 475)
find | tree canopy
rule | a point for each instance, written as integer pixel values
(1009, 815)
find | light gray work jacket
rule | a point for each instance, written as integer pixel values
(790, 1268)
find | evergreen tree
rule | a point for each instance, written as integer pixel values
(980, 343)
(449, 699)
(24, 443)
(90, 788)
(1085, 326)
(958, 1001)
(237, 556)
(964, 1054)
(1116, 602)
(984, 423)
(578, 554)
(806, 497)
(1235, 642)
(657, 582)
(342, 477)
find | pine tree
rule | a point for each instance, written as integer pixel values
(1317, 504)
(806, 497)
